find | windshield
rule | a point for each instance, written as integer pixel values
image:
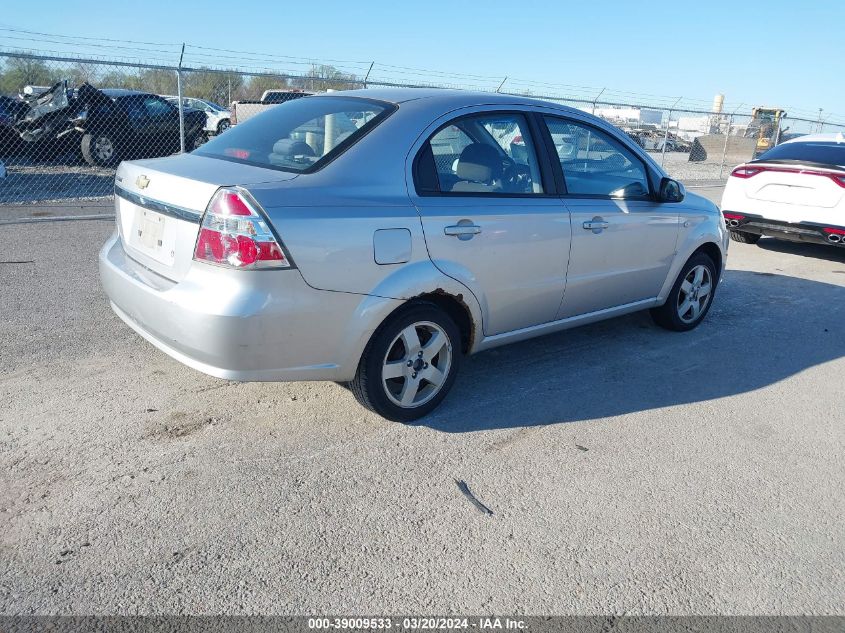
(212, 105)
(820, 152)
(299, 135)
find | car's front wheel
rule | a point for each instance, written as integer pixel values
(691, 295)
(100, 150)
(745, 238)
(410, 363)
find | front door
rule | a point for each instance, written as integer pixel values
(488, 221)
(623, 241)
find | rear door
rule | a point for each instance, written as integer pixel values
(623, 241)
(489, 218)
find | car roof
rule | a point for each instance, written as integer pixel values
(444, 97)
(834, 137)
(121, 92)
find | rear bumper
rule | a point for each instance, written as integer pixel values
(243, 325)
(810, 232)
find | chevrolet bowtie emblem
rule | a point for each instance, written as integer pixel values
(142, 181)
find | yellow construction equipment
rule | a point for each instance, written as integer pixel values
(764, 126)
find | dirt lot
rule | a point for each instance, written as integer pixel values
(628, 469)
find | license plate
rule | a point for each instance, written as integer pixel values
(150, 236)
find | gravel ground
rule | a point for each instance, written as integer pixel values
(628, 469)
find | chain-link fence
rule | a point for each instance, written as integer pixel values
(66, 123)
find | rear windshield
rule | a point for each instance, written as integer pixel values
(821, 152)
(299, 135)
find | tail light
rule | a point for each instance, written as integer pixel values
(745, 171)
(733, 216)
(834, 231)
(235, 234)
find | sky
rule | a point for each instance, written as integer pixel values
(774, 53)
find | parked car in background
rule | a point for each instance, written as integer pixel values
(217, 118)
(794, 191)
(106, 125)
(654, 140)
(445, 223)
(243, 110)
(118, 124)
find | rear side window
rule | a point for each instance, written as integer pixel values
(300, 135)
(486, 154)
(822, 152)
(596, 164)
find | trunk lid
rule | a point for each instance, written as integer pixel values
(159, 205)
(789, 186)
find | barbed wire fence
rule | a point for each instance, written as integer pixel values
(52, 154)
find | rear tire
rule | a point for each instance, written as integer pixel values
(745, 238)
(690, 297)
(410, 363)
(100, 150)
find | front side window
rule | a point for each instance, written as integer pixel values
(490, 153)
(594, 163)
(298, 135)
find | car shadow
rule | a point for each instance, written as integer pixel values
(762, 328)
(803, 249)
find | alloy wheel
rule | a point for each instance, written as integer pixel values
(417, 364)
(695, 293)
(104, 149)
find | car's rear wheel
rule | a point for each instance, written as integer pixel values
(745, 238)
(691, 295)
(410, 364)
(100, 150)
(223, 126)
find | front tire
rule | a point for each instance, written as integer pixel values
(745, 238)
(410, 364)
(100, 150)
(691, 296)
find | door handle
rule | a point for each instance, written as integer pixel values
(596, 225)
(462, 231)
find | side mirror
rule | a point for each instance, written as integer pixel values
(671, 191)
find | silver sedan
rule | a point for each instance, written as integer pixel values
(374, 237)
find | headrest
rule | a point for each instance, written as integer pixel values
(289, 147)
(479, 163)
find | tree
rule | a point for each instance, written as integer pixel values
(160, 82)
(118, 79)
(20, 71)
(324, 77)
(213, 86)
(259, 83)
(82, 73)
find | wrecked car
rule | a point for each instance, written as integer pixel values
(110, 124)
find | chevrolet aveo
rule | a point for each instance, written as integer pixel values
(373, 237)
